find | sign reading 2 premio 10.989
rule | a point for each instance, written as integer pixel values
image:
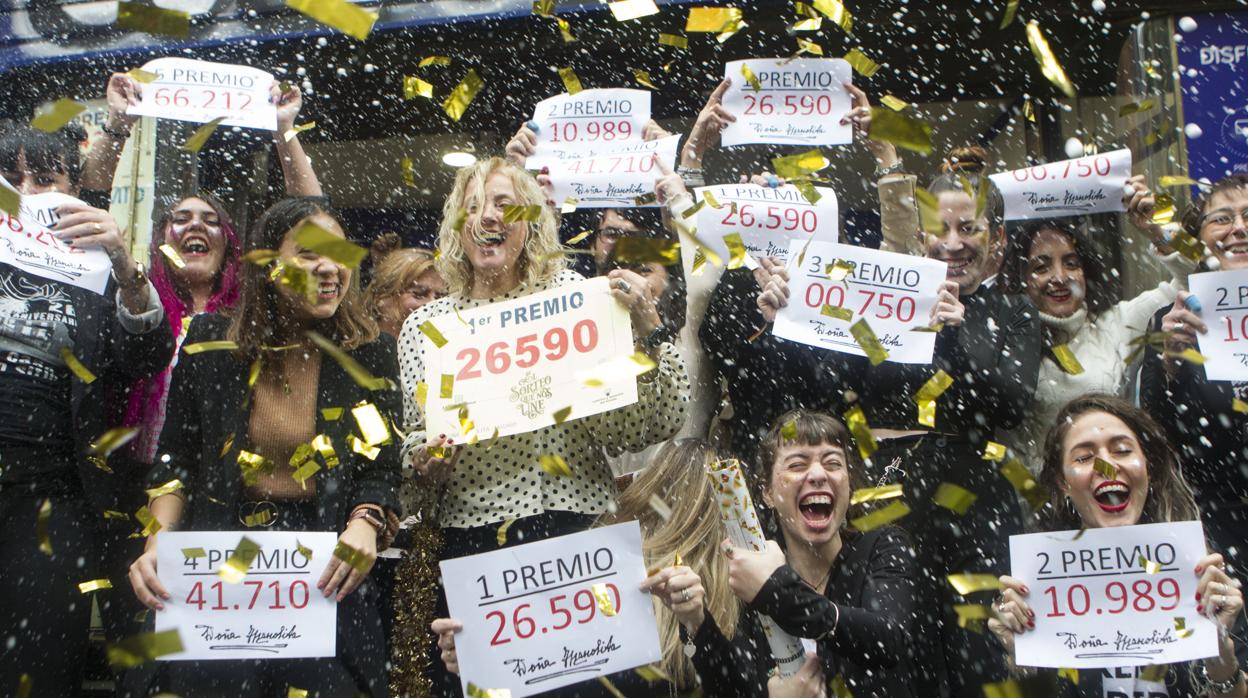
(552, 613)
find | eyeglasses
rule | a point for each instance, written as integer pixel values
(1222, 220)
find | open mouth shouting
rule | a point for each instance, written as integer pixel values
(327, 291)
(1112, 496)
(194, 245)
(816, 509)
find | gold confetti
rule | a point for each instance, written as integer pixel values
(994, 451)
(42, 520)
(1071, 675)
(1163, 209)
(112, 440)
(564, 30)
(554, 464)
(408, 167)
(643, 78)
(868, 342)
(1177, 181)
(216, 345)
(1047, 60)
(750, 77)
(528, 214)
(836, 12)
(83, 373)
(292, 692)
(652, 672)
(969, 583)
(167, 488)
(502, 532)
(10, 201)
(660, 507)
(862, 65)
(603, 596)
(431, 331)
(926, 397)
(610, 687)
(788, 431)
(463, 94)
(260, 257)
(1003, 689)
(314, 238)
(358, 446)
(804, 46)
(475, 691)
(872, 494)
(810, 24)
(305, 471)
(712, 19)
(422, 393)
(1154, 137)
(60, 113)
(353, 368)
(736, 250)
(1024, 483)
(880, 517)
(143, 76)
(1149, 566)
(624, 10)
(894, 103)
(434, 60)
(637, 250)
(338, 14)
(544, 8)
(833, 311)
(172, 255)
(615, 369)
(954, 498)
(253, 465)
(115, 515)
(150, 525)
(1181, 629)
(227, 444)
(372, 425)
(414, 87)
(1136, 108)
(1187, 245)
(571, 83)
(1239, 406)
(1066, 359)
(1011, 9)
(153, 20)
(447, 389)
(561, 415)
(1106, 469)
(260, 518)
(303, 550)
(673, 40)
(331, 414)
(193, 553)
(235, 568)
(856, 421)
(296, 130)
(793, 166)
(970, 613)
(839, 689)
(1154, 672)
(197, 140)
(142, 648)
(887, 126)
(356, 559)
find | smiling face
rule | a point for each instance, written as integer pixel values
(1224, 227)
(611, 227)
(393, 310)
(809, 490)
(1054, 273)
(194, 231)
(965, 244)
(1101, 498)
(494, 248)
(329, 279)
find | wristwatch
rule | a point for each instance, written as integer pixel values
(1202, 675)
(115, 135)
(136, 280)
(660, 335)
(881, 172)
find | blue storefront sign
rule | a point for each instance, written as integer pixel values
(1213, 74)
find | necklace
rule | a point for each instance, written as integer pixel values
(820, 583)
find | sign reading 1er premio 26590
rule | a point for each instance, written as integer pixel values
(512, 365)
(1111, 597)
(1078, 187)
(274, 612)
(1224, 297)
(835, 286)
(199, 91)
(552, 613)
(798, 102)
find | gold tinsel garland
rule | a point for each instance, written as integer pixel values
(415, 594)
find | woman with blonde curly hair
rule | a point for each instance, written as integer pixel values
(403, 281)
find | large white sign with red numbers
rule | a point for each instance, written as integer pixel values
(1223, 299)
(510, 366)
(893, 292)
(588, 123)
(30, 245)
(798, 102)
(274, 612)
(1091, 184)
(1108, 597)
(613, 177)
(199, 91)
(766, 219)
(552, 613)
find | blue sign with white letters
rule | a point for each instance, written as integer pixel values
(1213, 74)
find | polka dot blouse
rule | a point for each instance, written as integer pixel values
(507, 481)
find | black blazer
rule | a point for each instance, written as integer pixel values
(209, 401)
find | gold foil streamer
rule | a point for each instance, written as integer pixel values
(610, 687)
(325, 447)
(872, 494)
(554, 464)
(926, 397)
(544, 8)
(971, 614)
(260, 257)
(227, 444)
(253, 465)
(94, 585)
(358, 446)
(216, 345)
(614, 369)
(793, 166)
(408, 166)
(652, 673)
(1011, 9)
(561, 415)
(1071, 675)
(736, 250)
(353, 368)
(714, 20)
(41, 527)
(1154, 672)
(339, 14)
(994, 451)
(501, 537)
(235, 568)
(197, 140)
(83, 373)
(115, 515)
(193, 553)
(463, 94)
(673, 40)
(112, 440)
(564, 30)
(172, 255)
(1181, 629)
(1161, 132)
(1187, 245)
(868, 342)
(260, 518)
(807, 190)
(1178, 181)
(517, 212)
(422, 393)
(314, 238)
(887, 126)
(292, 692)
(356, 559)
(153, 20)
(788, 431)
(167, 488)
(434, 60)
(880, 517)
(143, 76)
(1024, 483)
(10, 201)
(710, 200)
(1066, 359)
(1004, 689)
(1163, 209)
(1149, 566)
(810, 24)
(1106, 469)
(839, 689)
(751, 78)
(1136, 107)
(414, 87)
(836, 12)
(431, 331)
(372, 425)
(571, 83)
(954, 497)
(862, 65)
(625, 10)
(604, 599)
(305, 471)
(447, 388)
(1047, 60)
(837, 312)
(804, 46)
(856, 421)
(296, 130)
(894, 103)
(1239, 406)
(140, 649)
(638, 250)
(970, 583)
(303, 550)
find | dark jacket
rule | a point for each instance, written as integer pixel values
(209, 401)
(862, 621)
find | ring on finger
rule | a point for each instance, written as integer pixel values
(1178, 325)
(684, 595)
(623, 286)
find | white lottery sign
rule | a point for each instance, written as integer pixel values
(587, 123)
(274, 612)
(614, 177)
(766, 219)
(1097, 605)
(1078, 187)
(199, 91)
(799, 102)
(552, 613)
(1223, 299)
(893, 292)
(29, 245)
(513, 364)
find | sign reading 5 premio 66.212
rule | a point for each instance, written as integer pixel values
(552, 613)
(199, 91)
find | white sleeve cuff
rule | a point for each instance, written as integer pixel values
(142, 323)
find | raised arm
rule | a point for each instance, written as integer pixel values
(296, 167)
(97, 171)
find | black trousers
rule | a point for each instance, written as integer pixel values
(950, 660)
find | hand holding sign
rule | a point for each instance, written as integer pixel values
(1223, 296)
(787, 102)
(773, 279)
(1010, 613)
(1077, 187)
(680, 589)
(199, 91)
